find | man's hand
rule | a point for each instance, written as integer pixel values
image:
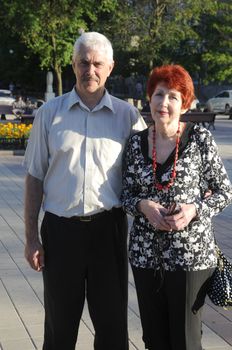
(34, 254)
(207, 194)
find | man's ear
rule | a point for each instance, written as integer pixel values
(111, 67)
(73, 65)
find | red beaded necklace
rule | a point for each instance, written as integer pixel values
(158, 185)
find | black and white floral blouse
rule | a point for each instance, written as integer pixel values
(199, 167)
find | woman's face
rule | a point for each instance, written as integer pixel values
(166, 104)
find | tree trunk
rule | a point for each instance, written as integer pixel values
(57, 67)
(58, 72)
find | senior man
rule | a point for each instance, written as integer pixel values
(74, 161)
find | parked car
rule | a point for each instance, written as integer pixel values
(6, 97)
(220, 103)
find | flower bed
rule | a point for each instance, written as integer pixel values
(14, 136)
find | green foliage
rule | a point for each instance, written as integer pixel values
(50, 27)
(152, 32)
(217, 54)
(144, 33)
(197, 34)
(47, 28)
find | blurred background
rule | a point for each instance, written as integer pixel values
(38, 36)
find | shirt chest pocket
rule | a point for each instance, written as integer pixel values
(110, 152)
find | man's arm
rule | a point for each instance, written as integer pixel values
(34, 252)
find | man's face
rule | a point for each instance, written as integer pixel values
(91, 69)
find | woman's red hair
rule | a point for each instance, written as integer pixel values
(174, 77)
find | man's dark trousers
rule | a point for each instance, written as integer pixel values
(85, 259)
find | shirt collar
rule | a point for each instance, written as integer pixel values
(106, 101)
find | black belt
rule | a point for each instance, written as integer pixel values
(88, 218)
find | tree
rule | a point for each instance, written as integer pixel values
(50, 27)
(144, 33)
(209, 55)
(154, 32)
(217, 53)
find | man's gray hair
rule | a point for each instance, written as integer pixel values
(94, 41)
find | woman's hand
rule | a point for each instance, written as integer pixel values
(155, 213)
(180, 220)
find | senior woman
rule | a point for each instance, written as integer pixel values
(172, 250)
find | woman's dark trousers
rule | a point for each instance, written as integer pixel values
(171, 316)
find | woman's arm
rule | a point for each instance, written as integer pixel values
(135, 201)
(214, 173)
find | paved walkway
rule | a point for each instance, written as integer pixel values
(21, 291)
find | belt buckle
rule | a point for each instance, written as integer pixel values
(85, 218)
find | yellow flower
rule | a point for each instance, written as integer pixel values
(13, 130)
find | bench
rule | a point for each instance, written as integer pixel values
(195, 117)
(200, 117)
(27, 117)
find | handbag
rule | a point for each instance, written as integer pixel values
(220, 286)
